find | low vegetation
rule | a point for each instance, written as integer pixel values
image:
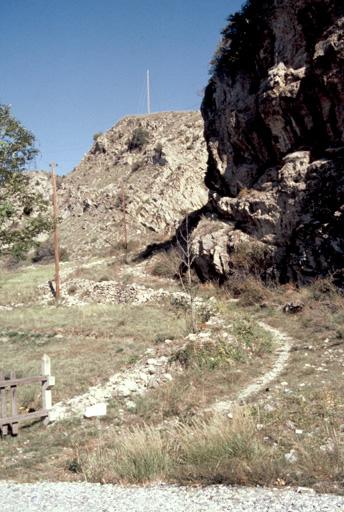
(240, 450)
(292, 433)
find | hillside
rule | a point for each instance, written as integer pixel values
(161, 181)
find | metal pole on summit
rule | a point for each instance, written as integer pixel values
(148, 93)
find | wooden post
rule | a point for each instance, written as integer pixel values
(3, 405)
(56, 234)
(47, 385)
(14, 424)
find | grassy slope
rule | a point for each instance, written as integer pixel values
(292, 434)
(302, 413)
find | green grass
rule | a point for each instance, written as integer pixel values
(86, 344)
(170, 436)
(20, 286)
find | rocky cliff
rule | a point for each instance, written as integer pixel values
(150, 167)
(274, 126)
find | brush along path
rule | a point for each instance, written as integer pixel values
(82, 497)
(157, 367)
(154, 369)
(284, 344)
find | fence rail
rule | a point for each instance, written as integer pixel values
(10, 421)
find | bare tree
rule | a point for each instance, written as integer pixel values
(184, 247)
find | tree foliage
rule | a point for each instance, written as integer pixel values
(238, 47)
(23, 212)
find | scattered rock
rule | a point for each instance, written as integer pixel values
(293, 307)
(96, 410)
(291, 457)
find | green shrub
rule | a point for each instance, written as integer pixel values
(139, 138)
(45, 253)
(210, 354)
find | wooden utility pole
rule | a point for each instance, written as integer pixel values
(124, 219)
(56, 234)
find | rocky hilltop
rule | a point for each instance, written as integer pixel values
(274, 126)
(151, 166)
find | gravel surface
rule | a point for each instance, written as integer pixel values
(82, 497)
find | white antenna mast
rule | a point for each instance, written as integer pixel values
(148, 94)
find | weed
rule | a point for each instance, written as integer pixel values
(138, 456)
(166, 265)
(254, 337)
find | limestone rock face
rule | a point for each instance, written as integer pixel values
(274, 126)
(156, 182)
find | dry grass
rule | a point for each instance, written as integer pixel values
(201, 451)
(213, 369)
(166, 265)
(168, 437)
(217, 450)
(20, 287)
(86, 344)
(137, 457)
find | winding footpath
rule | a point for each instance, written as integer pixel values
(284, 344)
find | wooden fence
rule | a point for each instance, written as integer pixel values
(10, 419)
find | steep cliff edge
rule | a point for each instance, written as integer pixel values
(274, 126)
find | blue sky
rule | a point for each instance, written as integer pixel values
(71, 68)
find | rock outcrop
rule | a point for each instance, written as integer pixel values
(152, 166)
(146, 171)
(274, 126)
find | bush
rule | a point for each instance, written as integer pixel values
(166, 265)
(210, 355)
(159, 155)
(96, 136)
(238, 48)
(250, 290)
(139, 138)
(137, 165)
(45, 253)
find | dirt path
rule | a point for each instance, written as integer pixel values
(155, 369)
(284, 344)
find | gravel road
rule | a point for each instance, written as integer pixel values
(82, 497)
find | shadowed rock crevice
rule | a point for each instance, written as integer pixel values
(185, 229)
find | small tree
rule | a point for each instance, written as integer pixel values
(22, 210)
(187, 258)
(124, 221)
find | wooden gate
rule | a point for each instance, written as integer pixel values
(9, 417)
